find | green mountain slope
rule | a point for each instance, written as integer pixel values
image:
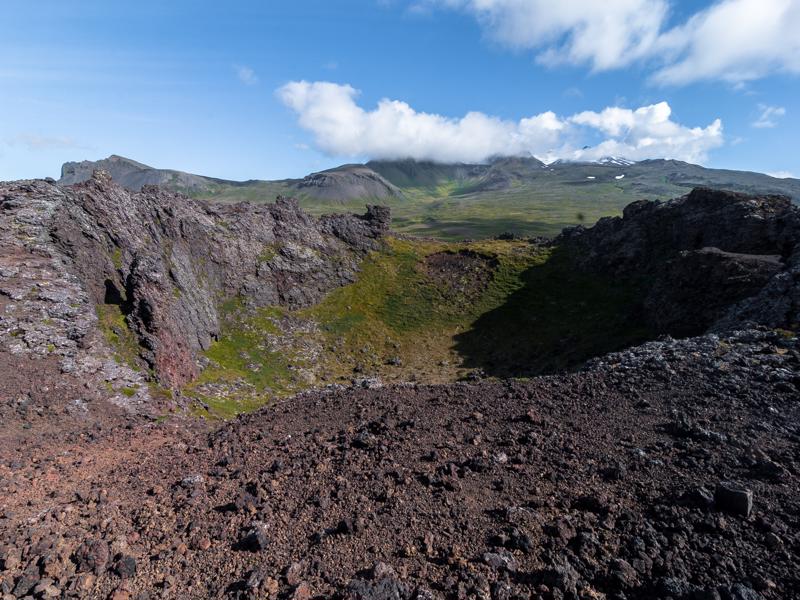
(454, 201)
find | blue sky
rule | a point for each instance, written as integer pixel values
(279, 89)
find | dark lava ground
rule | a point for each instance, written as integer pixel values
(609, 483)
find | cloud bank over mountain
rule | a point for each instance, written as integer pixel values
(394, 129)
(730, 40)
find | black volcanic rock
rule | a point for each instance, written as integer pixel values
(710, 258)
(698, 286)
(733, 498)
(359, 231)
(649, 233)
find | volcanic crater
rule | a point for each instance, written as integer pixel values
(244, 401)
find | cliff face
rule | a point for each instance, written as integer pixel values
(711, 259)
(170, 263)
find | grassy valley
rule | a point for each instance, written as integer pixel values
(450, 211)
(521, 196)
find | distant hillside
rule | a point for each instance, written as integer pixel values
(133, 175)
(342, 183)
(497, 174)
(413, 174)
(517, 194)
(345, 183)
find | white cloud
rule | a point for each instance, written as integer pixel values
(606, 34)
(731, 40)
(648, 132)
(782, 175)
(245, 74)
(769, 116)
(395, 130)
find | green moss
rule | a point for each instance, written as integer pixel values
(116, 258)
(242, 361)
(157, 392)
(129, 391)
(537, 314)
(398, 311)
(557, 318)
(226, 408)
(269, 252)
(231, 306)
(165, 392)
(118, 335)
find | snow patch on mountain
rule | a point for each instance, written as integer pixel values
(616, 161)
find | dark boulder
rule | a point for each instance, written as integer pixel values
(733, 498)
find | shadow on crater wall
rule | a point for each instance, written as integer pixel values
(557, 320)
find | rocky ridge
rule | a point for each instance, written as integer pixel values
(389, 179)
(341, 184)
(709, 260)
(46, 312)
(347, 182)
(167, 262)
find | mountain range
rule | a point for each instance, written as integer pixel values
(522, 195)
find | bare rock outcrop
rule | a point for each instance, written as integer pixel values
(711, 259)
(170, 262)
(698, 286)
(49, 335)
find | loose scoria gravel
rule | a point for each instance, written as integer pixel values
(666, 471)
